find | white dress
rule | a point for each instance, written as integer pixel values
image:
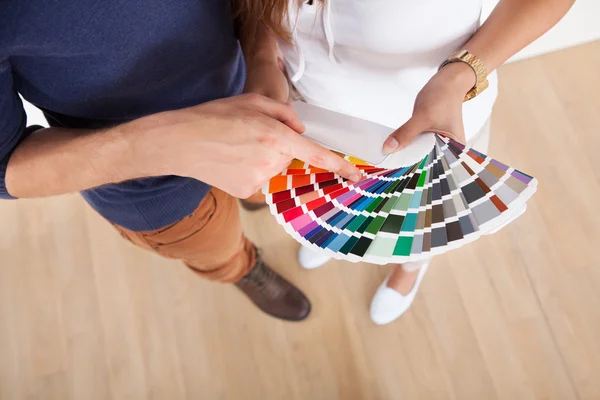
(370, 58)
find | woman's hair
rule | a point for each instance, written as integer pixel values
(252, 14)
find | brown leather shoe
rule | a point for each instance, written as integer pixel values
(251, 206)
(273, 294)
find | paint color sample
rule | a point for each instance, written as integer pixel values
(449, 198)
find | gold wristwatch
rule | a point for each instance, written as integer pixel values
(478, 67)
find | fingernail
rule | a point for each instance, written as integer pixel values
(390, 145)
(355, 177)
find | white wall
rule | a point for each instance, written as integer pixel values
(34, 116)
(580, 25)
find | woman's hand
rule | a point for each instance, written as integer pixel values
(438, 107)
(510, 27)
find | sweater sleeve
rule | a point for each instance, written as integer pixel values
(12, 122)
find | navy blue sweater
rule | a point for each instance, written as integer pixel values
(93, 64)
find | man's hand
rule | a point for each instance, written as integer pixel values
(237, 144)
(438, 107)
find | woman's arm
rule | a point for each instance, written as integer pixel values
(512, 25)
(264, 65)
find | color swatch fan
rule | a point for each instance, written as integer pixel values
(452, 196)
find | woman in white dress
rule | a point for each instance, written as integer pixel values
(380, 60)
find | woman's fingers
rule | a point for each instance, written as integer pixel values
(455, 132)
(450, 127)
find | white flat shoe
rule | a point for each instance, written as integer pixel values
(311, 259)
(388, 304)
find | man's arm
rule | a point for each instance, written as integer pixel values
(207, 142)
(55, 160)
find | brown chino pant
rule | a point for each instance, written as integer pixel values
(210, 241)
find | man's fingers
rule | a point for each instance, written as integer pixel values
(344, 168)
(318, 156)
(274, 109)
(402, 136)
(282, 166)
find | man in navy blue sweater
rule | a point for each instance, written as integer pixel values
(149, 124)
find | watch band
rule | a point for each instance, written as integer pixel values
(478, 67)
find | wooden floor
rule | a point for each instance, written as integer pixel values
(83, 315)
